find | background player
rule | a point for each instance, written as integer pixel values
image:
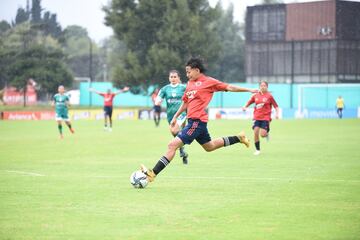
(199, 91)
(264, 102)
(108, 105)
(61, 103)
(172, 93)
(340, 106)
(156, 107)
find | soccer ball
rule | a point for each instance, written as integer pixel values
(138, 179)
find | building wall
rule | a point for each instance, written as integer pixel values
(266, 23)
(348, 20)
(311, 21)
(321, 42)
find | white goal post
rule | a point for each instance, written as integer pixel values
(301, 88)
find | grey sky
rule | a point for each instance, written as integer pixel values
(88, 13)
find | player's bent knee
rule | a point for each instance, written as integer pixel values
(173, 145)
(208, 148)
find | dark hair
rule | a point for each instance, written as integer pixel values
(174, 71)
(264, 81)
(196, 63)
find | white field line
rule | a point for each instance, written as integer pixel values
(26, 173)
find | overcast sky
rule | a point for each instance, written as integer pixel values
(88, 13)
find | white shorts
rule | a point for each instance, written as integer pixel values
(180, 120)
(64, 117)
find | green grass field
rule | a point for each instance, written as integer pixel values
(305, 185)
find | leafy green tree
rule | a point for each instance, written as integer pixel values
(229, 66)
(21, 16)
(45, 66)
(26, 52)
(161, 35)
(50, 26)
(4, 26)
(112, 53)
(80, 49)
(36, 11)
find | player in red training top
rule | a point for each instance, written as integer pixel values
(108, 105)
(198, 93)
(264, 102)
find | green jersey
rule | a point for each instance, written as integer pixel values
(173, 96)
(61, 101)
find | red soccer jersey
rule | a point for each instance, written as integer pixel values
(108, 99)
(198, 94)
(263, 104)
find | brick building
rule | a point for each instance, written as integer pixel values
(312, 42)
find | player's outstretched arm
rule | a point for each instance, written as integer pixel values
(125, 89)
(181, 109)
(233, 88)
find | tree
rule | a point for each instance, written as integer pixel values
(45, 66)
(229, 66)
(78, 46)
(21, 16)
(4, 26)
(36, 11)
(161, 35)
(50, 26)
(25, 52)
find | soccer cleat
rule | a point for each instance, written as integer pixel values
(150, 175)
(243, 139)
(72, 130)
(185, 160)
(257, 152)
(110, 129)
(185, 157)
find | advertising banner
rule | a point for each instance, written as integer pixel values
(28, 115)
(118, 114)
(236, 113)
(14, 97)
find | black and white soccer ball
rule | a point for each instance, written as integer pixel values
(138, 179)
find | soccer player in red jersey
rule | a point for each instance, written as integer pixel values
(264, 102)
(199, 91)
(108, 105)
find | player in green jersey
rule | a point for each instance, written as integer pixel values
(61, 103)
(172, 93)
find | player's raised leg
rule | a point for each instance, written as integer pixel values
(68, 123)
(226, 141)
(173, 145)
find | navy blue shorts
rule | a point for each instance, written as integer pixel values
(195, 129)
(262, 124)
(108, 111)
(157, 109)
